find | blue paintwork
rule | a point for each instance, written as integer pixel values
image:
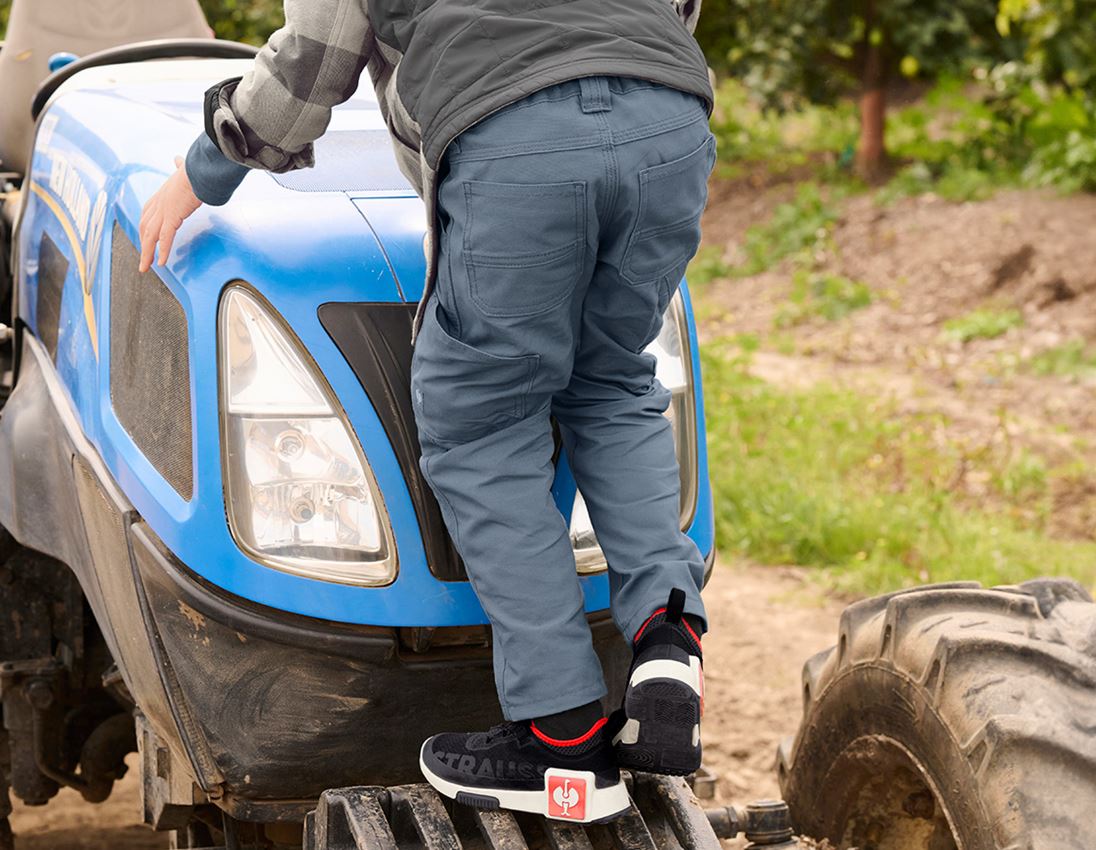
(300, 250)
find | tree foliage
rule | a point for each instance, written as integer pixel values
(244, 20)
(1059, 38)
(817, 48)
(786, 50)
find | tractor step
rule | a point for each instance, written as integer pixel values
(664, 816)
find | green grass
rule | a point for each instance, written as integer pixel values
(983, 323)
(1072, 359)
(827, 478)
(822, 295)
(797, 227)
(708, 265)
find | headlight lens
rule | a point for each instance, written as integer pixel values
(674, 371)
(300, 495)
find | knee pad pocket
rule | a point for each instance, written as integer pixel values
(460, 392)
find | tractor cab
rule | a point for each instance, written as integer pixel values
(41, 29)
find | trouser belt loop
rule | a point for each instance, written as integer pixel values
(594, 94)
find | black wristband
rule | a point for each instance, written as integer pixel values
(212, 102)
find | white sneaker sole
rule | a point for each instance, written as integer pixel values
(663, 704)
(568, 795)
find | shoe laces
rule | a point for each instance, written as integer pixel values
(502, 730)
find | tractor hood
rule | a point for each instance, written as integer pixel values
(132, 120)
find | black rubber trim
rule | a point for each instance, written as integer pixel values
(253, 619)
(142, 51)
(478, 801)
(375, 339)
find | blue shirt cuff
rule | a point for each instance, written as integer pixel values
(213, 176)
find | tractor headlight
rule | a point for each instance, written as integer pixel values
(674, 371)
(300, 495)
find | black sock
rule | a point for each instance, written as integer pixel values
(570, 724)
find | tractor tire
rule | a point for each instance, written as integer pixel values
(951, 717)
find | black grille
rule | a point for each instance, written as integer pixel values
(375, 339)
(52, 271)
(150, 366)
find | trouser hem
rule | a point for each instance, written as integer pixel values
(531, 709)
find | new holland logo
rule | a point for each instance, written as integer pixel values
(566, 797)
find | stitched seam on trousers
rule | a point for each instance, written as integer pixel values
(608, 157)
(664, 126)
(504, 696)
(527, 102)
(491, 260)
(552, 146)
(447, 235)
(455, 532)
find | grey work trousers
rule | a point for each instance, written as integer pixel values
(567, 220)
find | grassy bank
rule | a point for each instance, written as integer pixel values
(825, 477)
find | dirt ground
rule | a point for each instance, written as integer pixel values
(765, 622)
(68, 823)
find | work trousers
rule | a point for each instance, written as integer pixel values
(567, 220)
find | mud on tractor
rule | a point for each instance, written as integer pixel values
(217, 549)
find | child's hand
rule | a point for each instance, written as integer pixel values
(164, 214)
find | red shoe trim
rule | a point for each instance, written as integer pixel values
(696, 637)
(647, 622)
(582, 739)
(684, 622)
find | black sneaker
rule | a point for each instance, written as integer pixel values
(659, 729)
(514, 766)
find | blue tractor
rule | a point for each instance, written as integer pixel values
(216, 546)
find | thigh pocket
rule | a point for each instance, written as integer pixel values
(461, 393)
(666, 233)
(524, 244)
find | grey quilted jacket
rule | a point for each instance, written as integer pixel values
(438, 67)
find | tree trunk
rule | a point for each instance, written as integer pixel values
(871, 150)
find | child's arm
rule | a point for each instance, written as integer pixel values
(269, 117)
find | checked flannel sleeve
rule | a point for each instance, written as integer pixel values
(269, 118)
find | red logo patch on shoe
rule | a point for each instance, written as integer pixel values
(566, 797)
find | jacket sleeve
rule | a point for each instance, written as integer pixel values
(689, 11)
(269, 118)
